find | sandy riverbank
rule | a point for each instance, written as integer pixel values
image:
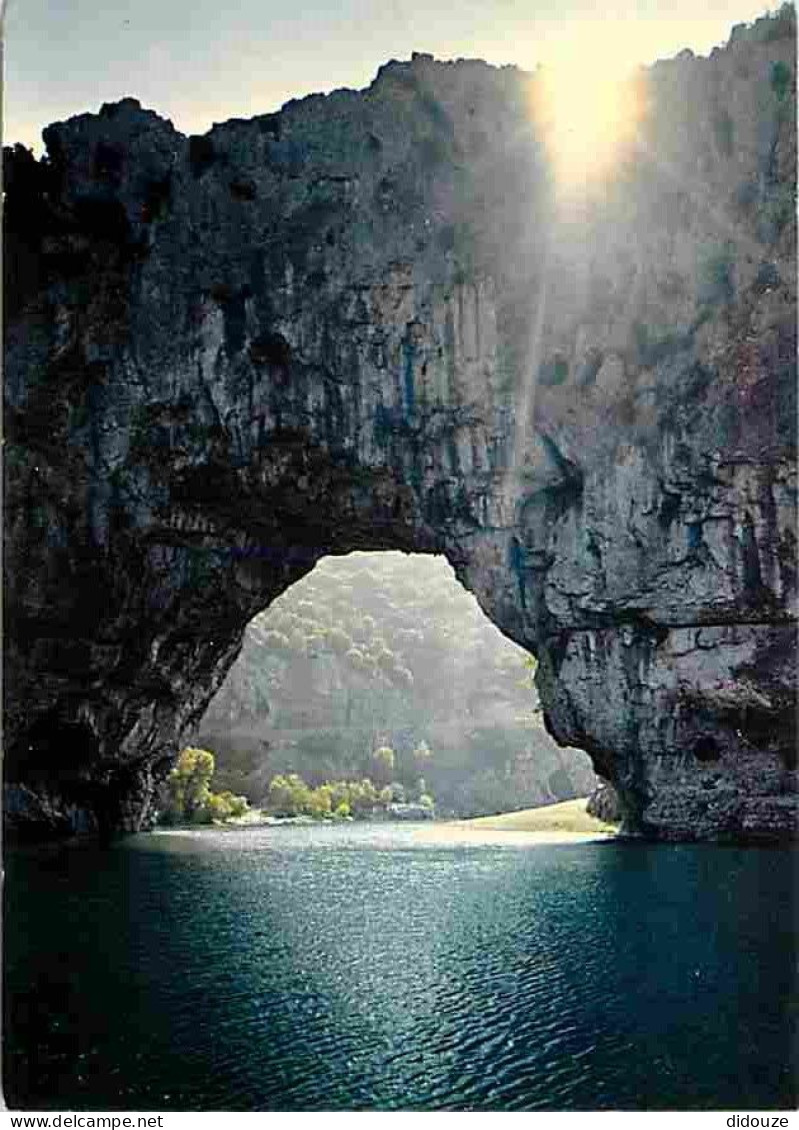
(567, 822)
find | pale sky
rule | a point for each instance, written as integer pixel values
(197, 62)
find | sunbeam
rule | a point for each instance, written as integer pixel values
(587, 103)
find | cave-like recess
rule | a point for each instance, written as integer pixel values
(367, 322)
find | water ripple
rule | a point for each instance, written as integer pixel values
(362, 968)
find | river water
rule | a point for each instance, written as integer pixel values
(392, 967)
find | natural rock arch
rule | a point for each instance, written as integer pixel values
(339, 328)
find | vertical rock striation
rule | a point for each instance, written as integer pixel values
(367, 322)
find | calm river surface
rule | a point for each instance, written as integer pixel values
(380, 967)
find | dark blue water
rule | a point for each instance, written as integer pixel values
(375, 968)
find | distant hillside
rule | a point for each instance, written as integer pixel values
(388, 649)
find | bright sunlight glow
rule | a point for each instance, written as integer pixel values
(586, 106)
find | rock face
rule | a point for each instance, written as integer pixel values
(368, 322)
(603, 803)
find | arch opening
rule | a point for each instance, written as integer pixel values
(381, 667)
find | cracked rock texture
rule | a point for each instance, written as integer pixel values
(372, 321)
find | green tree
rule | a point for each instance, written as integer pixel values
(339, 641)
(363, 797)
(188, 785)
(277, 641)
(278, 795)
(385, 659)
(318, 804)
(422, 757)
(422, 662)
(223, 806)
(235, 805)
(289, 795)
(189, 795)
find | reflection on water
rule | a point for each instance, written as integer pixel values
(381, 967)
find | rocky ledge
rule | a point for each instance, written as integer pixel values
(369, 321)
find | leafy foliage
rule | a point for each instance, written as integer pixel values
(188, 792)
(386, 650)
(383, 759)
(780, 80)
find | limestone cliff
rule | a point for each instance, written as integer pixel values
(366, 322)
